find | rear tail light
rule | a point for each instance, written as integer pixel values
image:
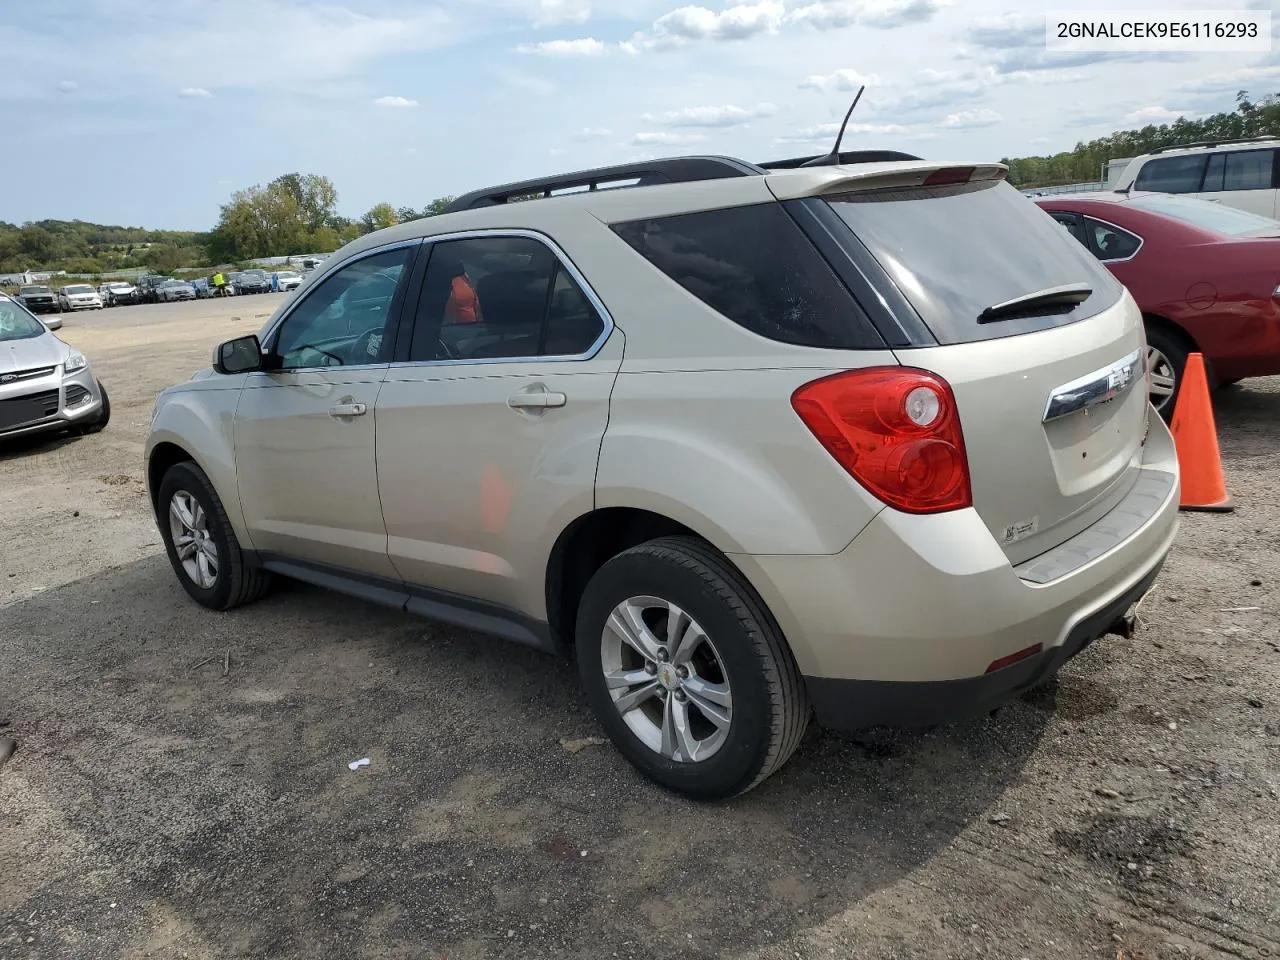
(896, 431)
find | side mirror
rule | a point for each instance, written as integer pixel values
(241, 355)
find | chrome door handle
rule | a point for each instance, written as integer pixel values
(538, 399)
(348, 410)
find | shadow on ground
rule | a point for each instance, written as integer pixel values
(158, 805)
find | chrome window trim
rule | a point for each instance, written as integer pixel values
(1115, 226)
(271, 331)
(563, 258)
(1097, 387)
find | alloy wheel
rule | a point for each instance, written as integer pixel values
(1164, 378)
(196, 549)
(666, 679)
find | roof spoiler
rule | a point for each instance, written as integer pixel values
(827, 181)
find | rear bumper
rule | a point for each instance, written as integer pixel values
(858, 704)
(902, 626)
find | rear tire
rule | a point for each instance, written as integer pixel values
(1167, 359)
(191, 520)
(724, 671)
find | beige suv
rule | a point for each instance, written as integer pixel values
(868, 442)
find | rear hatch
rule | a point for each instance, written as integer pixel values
(1042, 347)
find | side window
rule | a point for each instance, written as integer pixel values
(1248, 170)
(344, 320)
(493, 298)
(1213, 173)
(1113, 243)
(1075, 226)
(1172, 174)
(756, 267)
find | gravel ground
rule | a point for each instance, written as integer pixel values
(181, 788)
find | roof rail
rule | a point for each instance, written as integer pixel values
(852, 156)
(1212, 143)
(647, 173)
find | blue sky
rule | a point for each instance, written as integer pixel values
(145, 113)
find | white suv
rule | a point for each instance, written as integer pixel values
(1236, 173)
(869, 442)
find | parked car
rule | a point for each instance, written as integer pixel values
(253, 281)
(149, 287)
(172, 290)
(878, 448)
(38, 298)
(117, 292)
(78, 296)
(203, 288)
(1236, 173)
(1204, 275)
(44, 383)
(233, 281)
(288, 280)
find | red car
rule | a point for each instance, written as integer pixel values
(1206, 276)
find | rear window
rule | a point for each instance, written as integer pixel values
(755, 266)
(954, 251)
(1215, 217)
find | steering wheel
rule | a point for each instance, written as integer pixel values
(446, 351)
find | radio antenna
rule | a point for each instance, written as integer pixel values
(833, 158)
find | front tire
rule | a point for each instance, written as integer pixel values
(104, 415)
(687, 671)
(201, 543)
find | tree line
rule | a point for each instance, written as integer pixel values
(1250, 118)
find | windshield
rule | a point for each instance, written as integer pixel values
(256, 274)
(286, 275)
(16, 323)
(78, 288)
(174, 283)
(955, 251)
(35, 290)
(1206, 215)
(117, 286)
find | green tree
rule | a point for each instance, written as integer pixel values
(379, 217)
(315, 196)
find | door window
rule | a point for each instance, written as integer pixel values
(1248, 170)
(1075, 227)
(1172, 174)
(501, 298)
(1112, 243)
(344, 321)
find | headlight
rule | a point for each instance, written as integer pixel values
(75, 361)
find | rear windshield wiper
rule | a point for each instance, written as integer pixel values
(1053, 300)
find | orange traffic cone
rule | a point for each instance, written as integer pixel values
(1196, 438)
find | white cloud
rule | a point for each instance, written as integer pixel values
(693, 23)
(726, 116)
(665, 139)
(971, 119)
(554, 12)
(68, 86)
(827, 132)
(194, 93)
(1232, 80)
(882, 14)
(400, 102)
(593, 133)
(845, 80)
(584, 47)
(1145, 115)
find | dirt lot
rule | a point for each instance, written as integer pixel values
(162, 804)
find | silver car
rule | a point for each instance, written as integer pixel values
(45, 384)
(175, 290)
(866, 442)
